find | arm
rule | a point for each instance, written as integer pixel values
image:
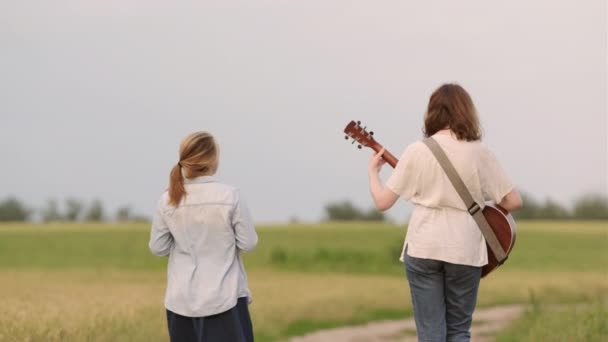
(383, 197)
(511, 201)
(161, 240)
(244, 230)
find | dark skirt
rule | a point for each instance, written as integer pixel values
(233, 325)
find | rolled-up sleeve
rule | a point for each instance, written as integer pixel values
(161, 240)
(403, 180)
(495, 184)
(242, 223)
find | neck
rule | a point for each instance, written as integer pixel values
(445, 131)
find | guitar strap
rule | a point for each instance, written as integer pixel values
(473, 207)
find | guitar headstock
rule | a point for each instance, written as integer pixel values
(359, 134)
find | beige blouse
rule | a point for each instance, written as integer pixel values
(440, 227)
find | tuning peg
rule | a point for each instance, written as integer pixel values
(358, 122)
(371, 133)
(346, 137)
(359, 147)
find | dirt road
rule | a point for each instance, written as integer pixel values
(486, 324)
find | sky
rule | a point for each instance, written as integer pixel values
(95, 96)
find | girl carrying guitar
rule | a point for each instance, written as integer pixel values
(444, 249)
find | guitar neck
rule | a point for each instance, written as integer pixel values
(364, 138)
(387, 156)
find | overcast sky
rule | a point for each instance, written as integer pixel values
(95, 96)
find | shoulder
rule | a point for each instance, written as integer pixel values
(164, 198)
(225, 187)
(483, 151)
(412, 156)
(225, 192)
(228, 189)
(416, 153)
(415, 149)
(163, 201)
(417, 146)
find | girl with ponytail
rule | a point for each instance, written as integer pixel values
(204, 226)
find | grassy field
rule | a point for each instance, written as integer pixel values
(83, 282)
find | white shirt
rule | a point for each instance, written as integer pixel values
(203, 237)
(440, 227)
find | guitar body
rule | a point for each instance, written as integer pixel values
(503, 225)
(498, 218)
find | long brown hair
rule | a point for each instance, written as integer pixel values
(450, 106)
(198, 156)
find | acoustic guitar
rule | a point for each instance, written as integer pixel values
(501, 222)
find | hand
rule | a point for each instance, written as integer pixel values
(375, 164)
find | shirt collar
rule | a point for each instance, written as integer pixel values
(200, 180)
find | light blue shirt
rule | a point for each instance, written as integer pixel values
(204, 237)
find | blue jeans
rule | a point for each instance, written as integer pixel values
(444, 297)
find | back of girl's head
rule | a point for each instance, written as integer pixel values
(198, 156)
(450, 106)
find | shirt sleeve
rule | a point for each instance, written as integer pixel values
(161, 240)
(242, 223)
(403, 180)
(495, 184)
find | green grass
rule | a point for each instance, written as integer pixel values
(104, 282)
(76, 246)
(369, 248)
(581, 322)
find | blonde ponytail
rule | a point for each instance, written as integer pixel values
(198, 156)
(176, 185)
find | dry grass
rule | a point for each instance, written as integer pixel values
(80, 305)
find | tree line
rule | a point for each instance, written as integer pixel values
(586, 207)
(72, 210)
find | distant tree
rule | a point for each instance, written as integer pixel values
(73, 209)
(11, 209)
(140, 218)
(346, 211)
(552, 210)
(374, 215)
(123, 214)
(95, 211)
(591, 207)
(51, 212)
(530, 210)
(342, 211)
